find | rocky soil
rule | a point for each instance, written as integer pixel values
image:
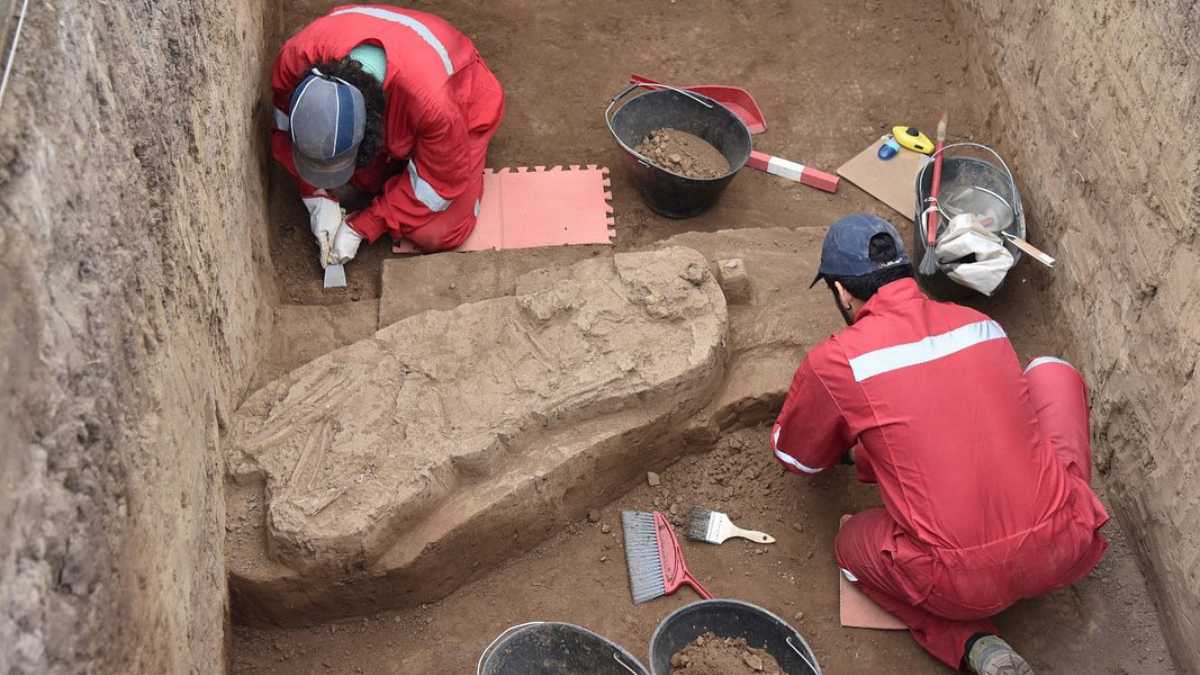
(712, 655)
(683, 153)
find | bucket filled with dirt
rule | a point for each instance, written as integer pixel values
(728, 637)
(684, 149)
(552, 648)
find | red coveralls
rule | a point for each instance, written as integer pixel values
(443, 105)
(983, 469)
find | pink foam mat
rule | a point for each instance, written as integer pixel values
(859, 611)
(526, 208)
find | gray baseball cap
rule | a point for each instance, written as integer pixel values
(328, 117)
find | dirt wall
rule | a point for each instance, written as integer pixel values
(134, 301)
(1098, 105)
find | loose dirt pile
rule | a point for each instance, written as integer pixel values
(712, 655)
(684, 153)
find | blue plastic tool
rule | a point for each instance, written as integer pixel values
(889, 148)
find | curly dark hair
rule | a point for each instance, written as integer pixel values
(372, 91)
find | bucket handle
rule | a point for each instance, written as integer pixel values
(811, 666)
(1012, 185)
(483, 656)
(626, 666)
(625, 92)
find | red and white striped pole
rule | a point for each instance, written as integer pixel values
(784, 168)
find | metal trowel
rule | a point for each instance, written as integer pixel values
(335, 276)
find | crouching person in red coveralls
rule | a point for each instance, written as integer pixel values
(386, 113)
(983, 467)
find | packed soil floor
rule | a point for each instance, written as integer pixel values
(831, 78)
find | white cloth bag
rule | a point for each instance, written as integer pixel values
(964, 236)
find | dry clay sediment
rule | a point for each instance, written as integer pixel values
(1107, 145)
(385, 462)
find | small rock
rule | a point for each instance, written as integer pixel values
(674, 158)
(603, 558)
(694, 274)
(652, 479)
(605, 529)
(754, 661)
(734, 281)
(799, 616)
(797, 527)
(593, 516)
(453, 285)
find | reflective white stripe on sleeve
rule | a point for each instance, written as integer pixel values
(923, 351)
(405, 20)
(1043, 360)
(786, 458)
(425, 192)
(791, 461)
(281, 120)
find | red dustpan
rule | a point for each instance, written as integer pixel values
(738, 100)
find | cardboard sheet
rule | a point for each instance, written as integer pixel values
(859, 611)
(525, 208)
(891, 181)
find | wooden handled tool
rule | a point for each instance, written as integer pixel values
(715, 527)
(1033, 251)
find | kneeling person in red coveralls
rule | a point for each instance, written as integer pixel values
(386, 113)
(983, 467)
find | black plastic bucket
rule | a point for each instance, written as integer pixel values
(735, 619)
(551, 648)
(965, 170)
(666, 192)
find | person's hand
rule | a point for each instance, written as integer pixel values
(345, 245)
(325, 218)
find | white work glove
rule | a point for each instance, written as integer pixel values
(345, 245)
(325, 218)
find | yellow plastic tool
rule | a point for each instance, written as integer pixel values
(913, 139)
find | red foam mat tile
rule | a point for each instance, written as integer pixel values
(526, 208)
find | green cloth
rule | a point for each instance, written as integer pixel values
(372, 59)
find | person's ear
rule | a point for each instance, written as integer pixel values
(843, 295)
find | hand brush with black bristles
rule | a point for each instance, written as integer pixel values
(715, 527)
(654, 557)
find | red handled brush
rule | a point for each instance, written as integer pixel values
(655, 560)
(929, 261)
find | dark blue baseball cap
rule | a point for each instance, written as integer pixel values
(846, 251)
(328, 119)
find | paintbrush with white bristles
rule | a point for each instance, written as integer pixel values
(715, 527)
